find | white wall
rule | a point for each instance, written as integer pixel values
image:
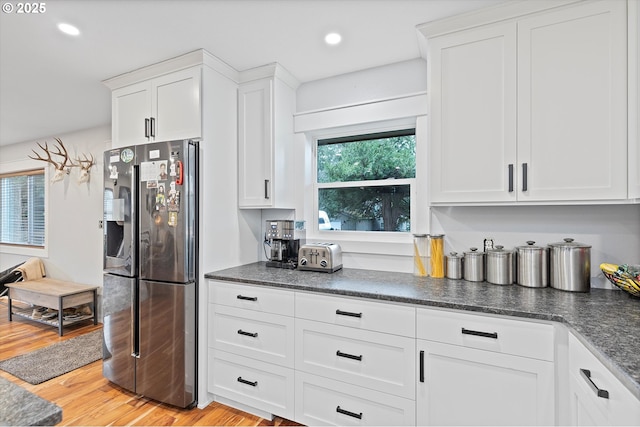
(612, 230)
(74, 246)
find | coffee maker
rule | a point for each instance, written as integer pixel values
(283, 242)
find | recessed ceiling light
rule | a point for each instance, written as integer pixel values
(333, 39)
(69, 29)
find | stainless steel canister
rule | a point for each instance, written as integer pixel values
(454, 266)
(474, 265)
(570, 266)
(532, 269)
(499, 266)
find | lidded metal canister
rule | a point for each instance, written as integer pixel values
(454, 266)
(499, 266)
(570, 266)
(532, 267)
(474, 265)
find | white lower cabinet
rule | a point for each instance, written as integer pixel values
(483, 370)
(370, 359)
(323, 401)
(332, 360)
(261, 385)
(250, 348)
(465, 386)
(596, 396)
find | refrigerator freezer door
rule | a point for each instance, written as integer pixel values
(166, 367)
(118, 306)
(166, 204)
(120, 212)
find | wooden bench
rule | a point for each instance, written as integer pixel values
(54, 294)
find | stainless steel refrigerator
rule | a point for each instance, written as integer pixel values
(150, 270)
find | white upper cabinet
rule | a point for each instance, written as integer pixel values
(473, 114)
(572, 103)
(265, 141)
(531, 108)
(164, 108)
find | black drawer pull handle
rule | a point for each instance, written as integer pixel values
(249, 334)
(421, 366)
(493, 335)
(349, 413)
(348, 313)
(348, 356)
(251, 383)
(586, 374)
(242, 297)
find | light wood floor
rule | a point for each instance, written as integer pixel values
(88, 399)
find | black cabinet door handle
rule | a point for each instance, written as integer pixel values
(493, 335)
(349, 413)
(348, 356)
(266, 189)
(251, 383)
(242, 297)
(510, 178)
(524, 177)
(586, 374)
(153, 127)
(421, 366)
(249, 334)
(348, 313)
(146, 128)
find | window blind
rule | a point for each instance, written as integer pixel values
(22, 219)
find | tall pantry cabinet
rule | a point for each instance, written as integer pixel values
(530, 108)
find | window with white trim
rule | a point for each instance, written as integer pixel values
(22, 202)
(364, 182)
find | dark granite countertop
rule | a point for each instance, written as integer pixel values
(20, 407)
(606, 321)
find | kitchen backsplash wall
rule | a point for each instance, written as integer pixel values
(613, 231)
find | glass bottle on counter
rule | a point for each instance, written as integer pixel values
(421, 255)
(436, 243)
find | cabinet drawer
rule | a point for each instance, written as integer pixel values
(257, 298)
(369, 359)
(261, 385)
(264, 336)
(502, 335)
(322, 401)
(621, 407)
(373, 316)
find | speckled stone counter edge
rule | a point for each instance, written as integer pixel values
(20, 407)
(600, 319)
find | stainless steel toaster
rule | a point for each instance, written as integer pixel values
(325, 257)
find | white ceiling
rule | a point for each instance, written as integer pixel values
(50, 83)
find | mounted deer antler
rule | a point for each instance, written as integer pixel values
(85, 167)
(62, 167)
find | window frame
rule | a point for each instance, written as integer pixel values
(353, 132)
(17, 168)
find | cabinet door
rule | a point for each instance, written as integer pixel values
(466, 386)
(255, 147)
(572, 103)
(597, 397)
(130, 106)
(176, 105)
(472, 83)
